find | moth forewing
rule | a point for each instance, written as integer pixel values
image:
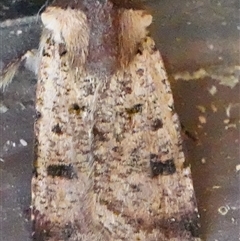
(109, 160)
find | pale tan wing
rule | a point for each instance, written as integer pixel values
(109, 160)
(142, 190)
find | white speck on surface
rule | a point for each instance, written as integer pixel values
(238, 27)
(23, 142)
(203, 160)
(202, 119)
(201, 108)
(228, 76)
(238, 168)
(224, 23)
(228, 109)
(223, 210)
(216, 187)
(211, 46)
(226, 121)
(13, 144)
(212, 90)
(214, 108)
(231, 125)
(3, 108)
(19, 32)
(199, 74)
(2, 160)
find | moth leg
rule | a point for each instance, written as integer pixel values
(30, 59)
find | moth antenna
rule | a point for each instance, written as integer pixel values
(41, 8)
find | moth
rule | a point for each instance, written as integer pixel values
(109, 163)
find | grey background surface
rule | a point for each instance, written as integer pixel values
(199, 41)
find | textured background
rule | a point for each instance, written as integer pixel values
(199, 41)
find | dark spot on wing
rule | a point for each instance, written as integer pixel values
(57, 129)
(65, 171)
(99, 135)
(135, 109)
(62, 49)
(161, 168)
(156, 124)
(140, 72)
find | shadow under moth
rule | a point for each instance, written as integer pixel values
(109, 162)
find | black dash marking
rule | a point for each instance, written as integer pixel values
(65, 171)
(57, 129)
(156, 124)
(161, 168)
(62, 49)
(135, 109)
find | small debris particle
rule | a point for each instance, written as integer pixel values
(19, 32)
(199, 74)
(231, 125)
(22, 106)
(202, 119)
(13, 144)
(223, 210)
(226, 121)
(228, 110)
(216, 187)
(1, 160)
(3, 108)
(23, 142)
(211, 46)
(212, 90)
(201, 108)
(214, 108)
(203, 161)
(238, 167)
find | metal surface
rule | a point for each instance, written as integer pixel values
(192, 36)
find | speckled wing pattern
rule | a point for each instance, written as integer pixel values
(109, 162)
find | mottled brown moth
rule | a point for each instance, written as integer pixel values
(109, 162)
